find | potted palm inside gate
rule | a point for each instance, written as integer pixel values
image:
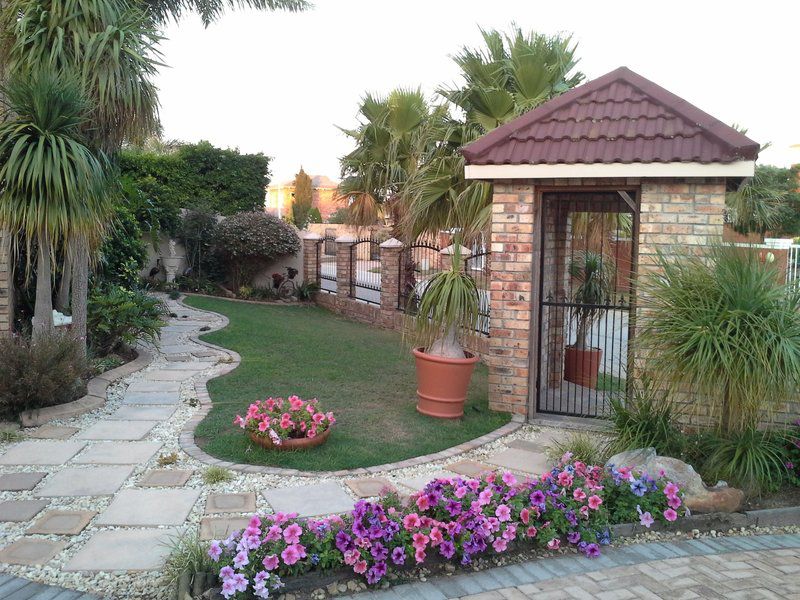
(446, 316)
(594, 275)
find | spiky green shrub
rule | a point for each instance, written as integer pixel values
(751, 459)
(584, 446)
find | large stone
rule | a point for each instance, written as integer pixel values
(165, 478)
(150, 398)
(53, 432)
(520, 461)
(632, 458)
(41, 453)
(149, 508)
(678, 471)
(219, 528)
(118, 453)
(17, 482)
(718, 499)
(19, 511)
(86, 481)
(310, 500)
(369, 487)
(241, 502)
(124, 550)
(117, 430)
(143, 413)
(169, 375)
(30, 551)
(62, 522)
(470, 468)
(154, 386)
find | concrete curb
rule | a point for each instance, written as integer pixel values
(94, 399)
(188, 445)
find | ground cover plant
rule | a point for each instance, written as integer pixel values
(357, 372)
(450, 519)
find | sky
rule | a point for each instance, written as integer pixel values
(281, 83)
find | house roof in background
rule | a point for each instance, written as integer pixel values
(620, 117)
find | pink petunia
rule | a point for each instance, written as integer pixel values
(292, 533)
(579, 494)
(485, 497)
(241, 560)
(554, 544)
(595, 501)
(411, 521)
(295, 403)
(671, 489)
(503, 513)
(531, 531)
(646, 519)
(419, 555)
(509, 479)
(215, 551)
(564, 479)
(360, 567)
(422, 502)
(674, 502)
(461, 491)
(293, 553)
(436, 536)
(270, 562)
(670, 515)
(420, 541)
(525, 515)
(499, 545)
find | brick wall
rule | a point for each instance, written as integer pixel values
(6, 286)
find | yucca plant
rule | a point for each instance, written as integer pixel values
(724, 327)
(751, 459)
(594, 275)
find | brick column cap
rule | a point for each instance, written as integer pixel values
(392, 243)
(345, 239)
(309, 235)
(452, 250)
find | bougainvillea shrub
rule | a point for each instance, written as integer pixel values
(280, 419)
(450, 519)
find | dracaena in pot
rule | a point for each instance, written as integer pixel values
(446, 316)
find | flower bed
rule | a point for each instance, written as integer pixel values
(278, 421)
(451, 519)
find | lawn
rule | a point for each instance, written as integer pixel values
(363, 374)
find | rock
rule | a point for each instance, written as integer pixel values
(632, 458)
(724, 500)
(678, 471)
(352, 585)
(333, 588)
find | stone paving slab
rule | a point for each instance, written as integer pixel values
(149, 398)
(470, 468)
(219, 528)
(150, 507)
(165, 478)
(143, 413)
(17, 482)
(117, 430)
(370, 487)
(86, 481)
(62, 522)
(190, 366)
(41, 453)
(118, 453)
(168, 375)
(53, 432)
(240, 502)
(124, 550)
(310, 500)
(30, 551)
(518, 460)
(143, 385)
(19, 511)
(419, 482)
(18, 588)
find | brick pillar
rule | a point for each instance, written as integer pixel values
(343, 244)
(447, 256)
(6, 285)
(311, 243)
(390, 274)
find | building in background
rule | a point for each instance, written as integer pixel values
(281, 195)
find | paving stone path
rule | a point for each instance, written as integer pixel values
(746, 568)
(88, 496)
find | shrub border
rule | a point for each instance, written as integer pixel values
(95, 394)
(188, 445)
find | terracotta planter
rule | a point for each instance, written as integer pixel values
(292, 443)
(442, 384)
(582, 366)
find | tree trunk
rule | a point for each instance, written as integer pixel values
(80, 289)
(62, 298)
(581, 334)
(43, 311)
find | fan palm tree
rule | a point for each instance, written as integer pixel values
(52, 185)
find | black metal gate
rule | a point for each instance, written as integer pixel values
(588, 263)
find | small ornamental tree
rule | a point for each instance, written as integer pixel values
(248, 241)
(303, 198)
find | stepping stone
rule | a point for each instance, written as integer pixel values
(369, 487)
(178, 357)
(62, 522)
(143, 413)
(470, 468)
(18, 511)
(118, 453)
(522, 461)
(30, 551)
(219, 528)
(206, 353)
(149, 398)
(53, 432)
(231, 503)
(124, 550)
(117, 430)
(165, 478)
(88, 481)
(17, 482)
(167, 375)
(189, 366)
(310, 500)
(41, 453)
(147, 508)
(154, 386)
(419, 482)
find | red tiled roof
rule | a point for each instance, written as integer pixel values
(620, 117)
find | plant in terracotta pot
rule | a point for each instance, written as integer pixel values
(594, 275)
(290, 424)
(450, 302)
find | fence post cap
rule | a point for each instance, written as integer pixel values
(309, 235)
(345, 239)
(392, 243)
(452, 250)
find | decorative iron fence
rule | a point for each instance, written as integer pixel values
(478, 266)
(418, 263)
(365, 271)
(326, 263)
(793, 265)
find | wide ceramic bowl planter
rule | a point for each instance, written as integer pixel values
(582, 366)
(291, 443)
(442, 384)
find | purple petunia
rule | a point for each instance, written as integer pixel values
(399, 555)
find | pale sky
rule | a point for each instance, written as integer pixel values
(280, 83)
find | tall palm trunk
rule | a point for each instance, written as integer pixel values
(80, 289)
(43, 311)
(62, 298)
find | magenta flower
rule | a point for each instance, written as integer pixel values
(360, 567)
(293, 553)
(670, 515)
(503, 513)
(215, 551)
(509, 479)
(554, 544)
(292, 533)
(499, 545)
(270, 562)
(646, 519)
(671, 489)
(595, 501)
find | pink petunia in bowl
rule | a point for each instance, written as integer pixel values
(286, 424)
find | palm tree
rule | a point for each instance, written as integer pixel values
(510, 75)
(52, 184)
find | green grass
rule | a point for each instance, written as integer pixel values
(610, 383)
(363, 374)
